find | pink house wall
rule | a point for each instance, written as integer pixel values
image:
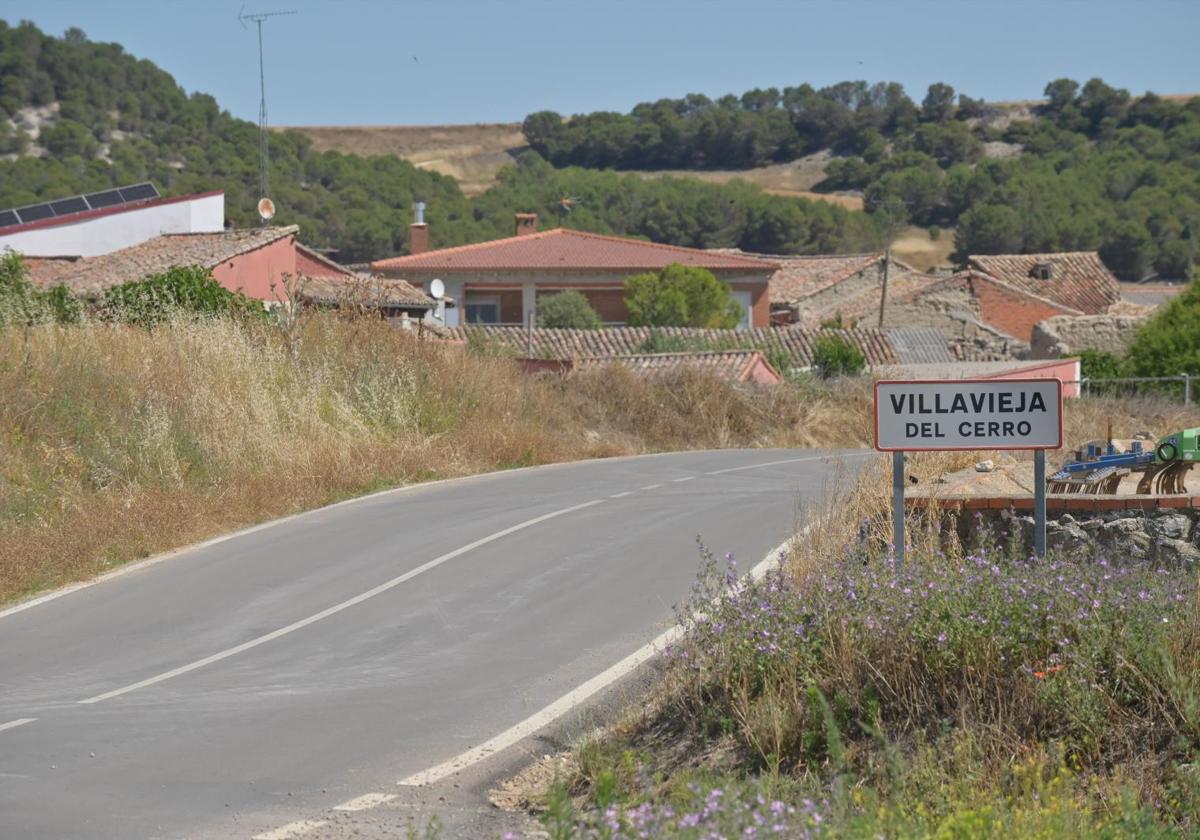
(1064, 370)
(259, 273)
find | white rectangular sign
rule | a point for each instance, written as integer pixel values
(915, 415)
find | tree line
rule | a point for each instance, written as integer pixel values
(1094, 168)
(120, 120)
(1090, 168)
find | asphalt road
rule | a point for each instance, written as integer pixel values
(234, 687)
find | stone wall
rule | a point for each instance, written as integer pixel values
(1169, 536)
(1066, 335)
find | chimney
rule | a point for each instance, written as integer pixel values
(418, 232)
(526, 223)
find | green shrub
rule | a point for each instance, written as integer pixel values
(567, 310)
(1169, 343)
(1099, 364)
(834, 356)
(178, 290)
(23, 304)
(681, 296)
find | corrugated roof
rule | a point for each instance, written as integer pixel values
(1078, 280)
(569, 250)
(730, 365)
(877, 346)
(92, 275)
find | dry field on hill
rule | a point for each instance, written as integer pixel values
(472, 154)
(913, 246)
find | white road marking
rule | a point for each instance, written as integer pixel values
(651, 487)
(367, 800)
(621, 495)
(13, 724)
(790, 461)
(337, 608)
(129, 568)
(293, 829)
(685, 478)
(573, 698)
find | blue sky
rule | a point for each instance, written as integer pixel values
(456, 61)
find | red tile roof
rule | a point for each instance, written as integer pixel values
(863, 305)
(570, 250)
(877, 346)
(733, 366)
(92, 275)
(1079, 280)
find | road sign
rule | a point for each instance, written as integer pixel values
(968, 414)
(936, 415)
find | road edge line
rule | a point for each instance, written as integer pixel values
(579, 695)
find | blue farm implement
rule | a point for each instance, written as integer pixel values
(1100, 469)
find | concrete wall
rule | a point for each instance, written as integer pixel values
(259, 273)
(120, 228)
(1065, 335)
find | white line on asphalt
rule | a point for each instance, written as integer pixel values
(790, 461)
(337, 608)
(685, 478)
(13, 724)
(621, 495)
(262, 526)
(651, 487)
(293, 829)
(367, 800)
(573, 698)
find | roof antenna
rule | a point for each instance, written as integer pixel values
(266, 207)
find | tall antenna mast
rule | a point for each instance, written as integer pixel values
(264, 151)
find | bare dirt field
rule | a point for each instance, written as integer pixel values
(472, 154)
(913, 246)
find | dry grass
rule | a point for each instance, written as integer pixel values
(471, 154)
(913, 246)
(116, 442)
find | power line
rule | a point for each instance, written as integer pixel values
(264, 151)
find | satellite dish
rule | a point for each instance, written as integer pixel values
(266, 208)
(437, 289)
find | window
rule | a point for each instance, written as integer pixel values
(483, 309)
(747, 302)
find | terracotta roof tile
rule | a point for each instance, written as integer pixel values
(863, 305)
(92, 275)
(877, 346)
(367, 291)
(1078, 280)
(570, 250)
(730, 365)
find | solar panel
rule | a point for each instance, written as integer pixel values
(78, 204)
(63, 206)
(138, 192)
(35, 212)
(108, 198)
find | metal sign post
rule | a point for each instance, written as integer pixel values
(898, 508)
(968, 414)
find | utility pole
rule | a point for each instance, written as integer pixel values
(889, 234)
(264, 151)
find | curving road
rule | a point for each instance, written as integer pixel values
(232, 688)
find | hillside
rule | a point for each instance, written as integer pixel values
(471, 154)
(1090, 168)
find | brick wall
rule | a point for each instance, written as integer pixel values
(1010, 311)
